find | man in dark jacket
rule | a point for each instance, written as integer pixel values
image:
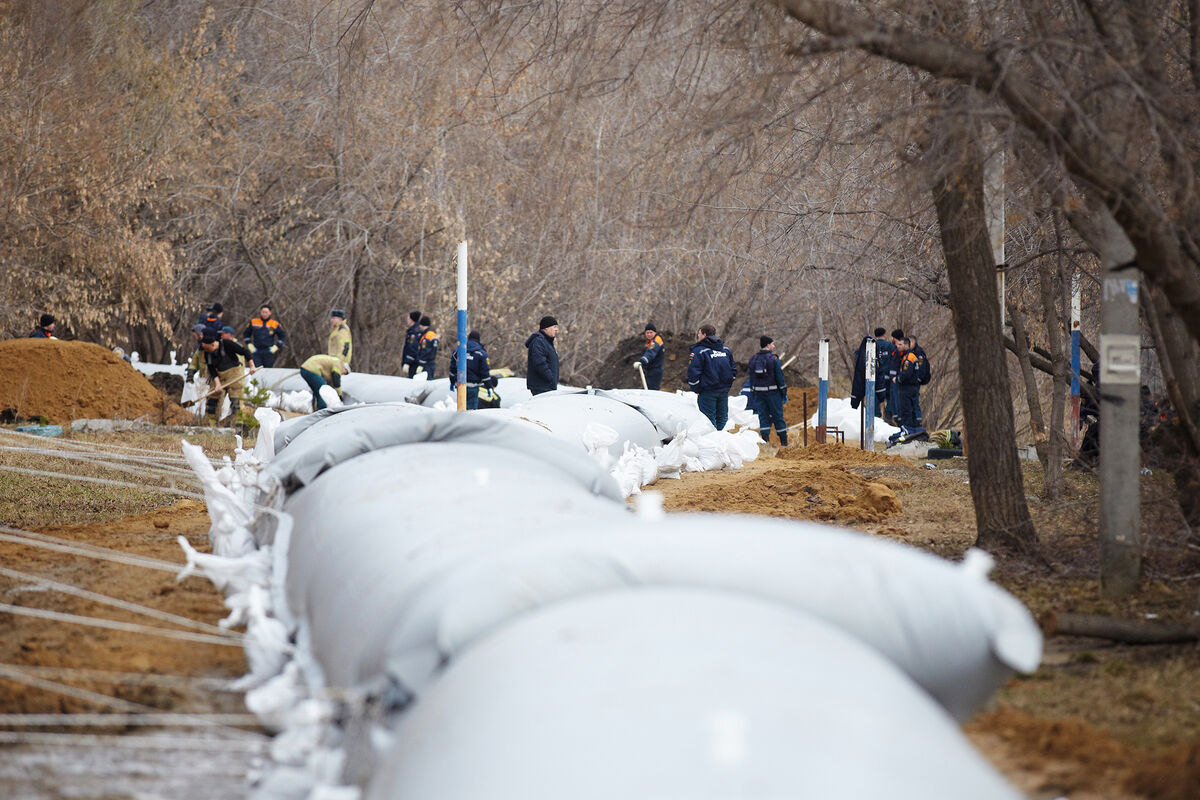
(884, 352)
(652, 360)
(427, 347)
(769, 390)
(908, 385)
(710, 375)
(411, 337)
(922, 378)
(213, 319)
(858, 381)
(479, 372)
(541, 372)
(44, 329)
(263, 337)
(892, 414)
(225, 369)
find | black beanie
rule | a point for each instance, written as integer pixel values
(763, 341)
(414, 316)
(880, 333)
(209, 337)
(473, 335)
(46, 319)
(338, 312)
(650, 326)
(425, 321)
(546, 322)
(217, 308)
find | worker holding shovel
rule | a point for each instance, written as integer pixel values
(224, 358)
(651, 362)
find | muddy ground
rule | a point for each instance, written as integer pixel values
(1097, 720)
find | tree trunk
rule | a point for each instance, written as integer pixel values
(1037, 422)
(997, 489)
(1051, 287)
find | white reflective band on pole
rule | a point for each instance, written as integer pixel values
(462, 276)
(823, 360)
(870, 360)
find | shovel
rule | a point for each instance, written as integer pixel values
(638, 366)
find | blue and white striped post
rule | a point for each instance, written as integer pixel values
(1076, 309)
(822, 389)
(867, 436)
(461, 377)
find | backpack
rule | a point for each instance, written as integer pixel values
(924, 374)
(762, 371)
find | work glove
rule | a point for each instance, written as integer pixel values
(489, 382)
(274, 348)
(250, 346)
(188, 375)
(419, 370)
(785, 397)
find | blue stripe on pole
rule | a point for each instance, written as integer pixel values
(461, 377)
(1075, 363)
(822, 398)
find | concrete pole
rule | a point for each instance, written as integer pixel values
(461, 377)
(867, 433)
(822, 388)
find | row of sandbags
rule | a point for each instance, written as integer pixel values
(525, 635)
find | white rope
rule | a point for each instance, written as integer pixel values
(188, 743)
(149, 718)
(103, 481)
(128, 678)
(117, 625)
(119, 448)
(48, 542)
(18, 676)
(113, 601)
(139, 465)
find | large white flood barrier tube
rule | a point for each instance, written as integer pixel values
(670, 693)
(951, 630)
(567, 416)
(669, 412)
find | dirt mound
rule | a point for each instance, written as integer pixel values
(839, 454)
(817, 489)
(1047, 756)
(62, 381)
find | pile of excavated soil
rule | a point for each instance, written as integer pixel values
(62, 381)
(839, 454)
(817, 489)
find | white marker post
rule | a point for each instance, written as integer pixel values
(867, 433)
(822, 388)
(461, 376)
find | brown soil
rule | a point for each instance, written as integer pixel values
(62, 381)
(45, 643)
(797, 483)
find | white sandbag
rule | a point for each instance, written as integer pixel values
(674, 693)
(278, 380)
(849, 420)
(951, 630)
(432, 392)
(567, 416)
(367, 388)
(374, 532)
(668, 411)
(512, 391)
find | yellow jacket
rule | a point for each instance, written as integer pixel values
(341, 344)
(330, 369)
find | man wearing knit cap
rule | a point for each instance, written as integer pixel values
(710, 375)
(427, 347)
(264, 336)
(479, 372)
(341, 344)
(769, 390)
(45, 328)
(541, 373)
(652, 358)
(412, 337)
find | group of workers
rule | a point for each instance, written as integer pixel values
(901, 369)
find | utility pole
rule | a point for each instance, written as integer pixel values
(461, 377)
(1120, 382)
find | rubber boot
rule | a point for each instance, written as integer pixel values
(765, 433)
(783, 438)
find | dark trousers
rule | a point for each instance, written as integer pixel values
(715, 406)
(315, 382)
(769, 406)
(654, 380)
(263, 358)
(908, 405)
(881, 396)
